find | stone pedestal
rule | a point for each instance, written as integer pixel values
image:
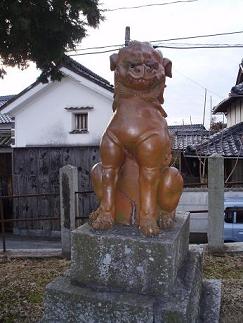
(121, 276)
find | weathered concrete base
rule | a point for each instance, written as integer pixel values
(102, 297)
(125, 260)
(210, 301)
(187, 302)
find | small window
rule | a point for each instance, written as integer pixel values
(80, 123)
(228, 215)
(239, 216)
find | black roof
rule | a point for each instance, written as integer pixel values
(5, 98)
(239, 78)
(5, 118)
(187, 135)
(223, 105)
(81, 70)
(186, 127)
(235, 94)
(5, 139)
(75, 67)
(228, 143)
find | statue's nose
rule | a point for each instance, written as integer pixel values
(139, 71)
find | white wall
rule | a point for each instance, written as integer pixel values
(198, 200)
(43, 120)
(235, 113)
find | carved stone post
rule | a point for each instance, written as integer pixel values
(215, 202)
(68, 186)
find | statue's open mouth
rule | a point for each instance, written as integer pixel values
(139, 82)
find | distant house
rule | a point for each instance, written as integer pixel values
(183, 137)
(56, 124)
(73, 111)
(6, 124)
(229, 141)
(232, 106)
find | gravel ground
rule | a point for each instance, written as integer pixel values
(22, 282)
(228, 268)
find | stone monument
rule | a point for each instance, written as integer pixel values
(132, 262)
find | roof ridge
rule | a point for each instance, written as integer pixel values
(86, 70)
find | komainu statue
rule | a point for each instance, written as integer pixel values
(134, 180)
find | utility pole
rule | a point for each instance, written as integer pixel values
(211, 111)
(127, 35)
(204, 106)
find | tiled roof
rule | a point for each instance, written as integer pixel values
(5, 118)
(5, 98)
(187, 135)
(5, 139)
(235, 93)
(239, 78)
(186, 127)
(223, 105)
(79, 108)
(237, 89)
(81, 70)
(228, 143)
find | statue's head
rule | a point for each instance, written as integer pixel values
(139, 66)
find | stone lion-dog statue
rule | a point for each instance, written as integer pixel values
(134, 181)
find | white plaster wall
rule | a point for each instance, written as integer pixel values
(43, 120)
(235, 113)
(198, 200)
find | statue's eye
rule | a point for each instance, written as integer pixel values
(132, 65)
(152, 65)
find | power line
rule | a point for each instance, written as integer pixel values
(96, 47)
(148, 5)
(90, 53)
(218, 46)
(198, 36)
(163, 40)
(201, 46)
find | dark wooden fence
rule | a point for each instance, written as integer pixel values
(36, 171)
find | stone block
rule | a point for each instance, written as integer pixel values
(67, 303)
(121, 259)
(211, 301)
(183, 303)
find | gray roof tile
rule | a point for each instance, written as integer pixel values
(228, 142)
(187, 135)
(5, 139)
(5, 118)
(5, 98)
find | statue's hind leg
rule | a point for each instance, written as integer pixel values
(152, 154)
(169, 193)
(112, 156)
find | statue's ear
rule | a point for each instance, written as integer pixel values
(168, 67)
(113, 61)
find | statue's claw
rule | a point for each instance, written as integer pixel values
(93, 216)
(166, 219)
(102, 220)
(149, 227)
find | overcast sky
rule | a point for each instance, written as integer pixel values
(193, 69)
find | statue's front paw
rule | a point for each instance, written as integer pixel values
(93, 216)
(149, 227)
(166, 219)
(103, 221)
